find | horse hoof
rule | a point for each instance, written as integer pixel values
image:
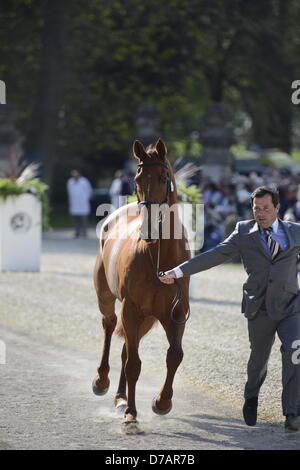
(131, 427)
(159, 411)
(97, 390)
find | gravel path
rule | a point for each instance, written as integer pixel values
(50, 324)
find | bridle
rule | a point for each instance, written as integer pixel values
(168, 181)
(179, 294)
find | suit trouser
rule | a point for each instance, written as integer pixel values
(80, 222)
(262, 330)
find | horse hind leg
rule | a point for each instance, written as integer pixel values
(106, 301)
(121, 397)
(120, 400)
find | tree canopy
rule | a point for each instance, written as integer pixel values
(79, 71)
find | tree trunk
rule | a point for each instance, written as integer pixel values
(43, 131)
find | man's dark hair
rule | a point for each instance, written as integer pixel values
(263, 191)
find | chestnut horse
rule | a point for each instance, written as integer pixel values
(127, 269)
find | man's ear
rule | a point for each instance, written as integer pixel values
(138, 150)
(161, 149)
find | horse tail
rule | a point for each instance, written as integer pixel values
(145, 327)
(119, 330)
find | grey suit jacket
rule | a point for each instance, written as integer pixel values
(271, 281)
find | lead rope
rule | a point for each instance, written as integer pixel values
(156, 268)
(179, 295)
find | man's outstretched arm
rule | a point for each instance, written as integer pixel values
(223, 252)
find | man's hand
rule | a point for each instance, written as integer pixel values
(168, 277)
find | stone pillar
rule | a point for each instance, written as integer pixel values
(216, 139)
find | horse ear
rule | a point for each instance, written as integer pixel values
(138, 150)
(161, 149)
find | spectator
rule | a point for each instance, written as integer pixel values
(79, 192)
(243, 200)
(211, 194)
(121, 186)
(229, 200)
(127, 187)
(115, 190)
(295, 206)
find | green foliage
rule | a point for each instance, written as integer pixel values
(238, 150)
(131, 198)
(296, 156)
(10, 187)
(185, 149)
(189, 194)
(84, 69)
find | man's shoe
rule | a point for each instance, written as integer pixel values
(292, 423)
(250, 411)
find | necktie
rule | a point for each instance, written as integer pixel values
(274, 246)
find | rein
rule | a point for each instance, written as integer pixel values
(179, 294)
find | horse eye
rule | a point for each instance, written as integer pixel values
(164, 179)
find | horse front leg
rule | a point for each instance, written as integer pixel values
(132, 369)
(162, 404)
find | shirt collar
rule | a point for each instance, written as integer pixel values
(274, 226)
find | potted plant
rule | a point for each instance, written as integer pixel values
(22, 197)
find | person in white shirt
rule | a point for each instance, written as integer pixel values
(79, 193)
(115, 190)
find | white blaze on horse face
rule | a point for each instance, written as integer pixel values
(148, 186)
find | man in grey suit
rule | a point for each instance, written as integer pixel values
(269, 248)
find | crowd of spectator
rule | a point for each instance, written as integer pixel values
(228, 201)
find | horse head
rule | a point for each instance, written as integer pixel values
(154, 185)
